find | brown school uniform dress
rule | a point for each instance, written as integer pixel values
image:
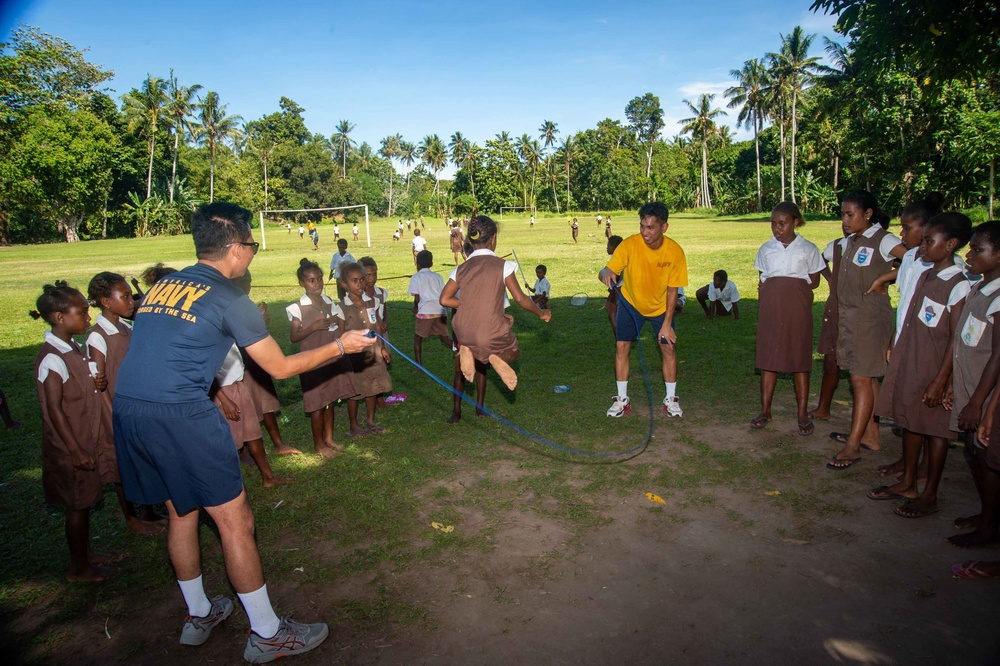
(456, 240)
(785, 325)
(973, 347)
(261, 387)
(866, 322)
(371, 377)
(917, 356)
(81, 403)
(831, 320)
(480, 323)
(334, 379)
(247, 428)
(117, 346)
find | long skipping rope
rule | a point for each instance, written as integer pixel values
(621, 455)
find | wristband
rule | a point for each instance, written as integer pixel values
(341, 345)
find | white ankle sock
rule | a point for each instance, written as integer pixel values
(257, 604)
(622, 389)
(194, 596)
(671, 389)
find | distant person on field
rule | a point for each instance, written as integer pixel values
(336, 231)
(425, 287)
(302, 231)
(540, 292)
(531, 222)
(720, 298)
(419, 244)
(354, 230)
(652, 267)
(314, 235)
(574, 227)
(457, 241)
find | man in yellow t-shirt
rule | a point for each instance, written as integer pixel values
(652, 267)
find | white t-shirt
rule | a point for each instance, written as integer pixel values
(419, 244)
(232, 368)
(427, 285)
(727, 295)
(542, 287)
(337, 260)
(355, 229)
(799, 260)
(508, 269)
(336, 229)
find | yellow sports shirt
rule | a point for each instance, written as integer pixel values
(647, 273)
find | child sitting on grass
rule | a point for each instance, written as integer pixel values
(540, 292)
(425, 287)
(720, 298)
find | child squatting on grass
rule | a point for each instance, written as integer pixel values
(540, 292)
(69, 393)
(482, 329)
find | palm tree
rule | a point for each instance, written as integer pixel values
(469, 160)
(550, 168)
(342, 141)
(503, 137)
(366, 156)
(547, 134)
(433, 153)
(407, 155)
(456, 147)
(179, 109)
(531, 153)
(263, 145)
(748, 95)
(389, 150)
(702, 127)
(776, 94)
(215, 128)
(801, 69)
(569, 151)
(144, 111)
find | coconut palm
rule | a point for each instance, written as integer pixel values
(469, 160)
(433, 153)
(702, 127)
(457, 148)
(366, 156)
(390, 150)
(343, 143)
(214, 128)
(569, 152)
(407, 155)
(547, 133)
(776, 95)
(179, 109)
(144, 111)
(748, 95)
(530, 152)
(801, 70)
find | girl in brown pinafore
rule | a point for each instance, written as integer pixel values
(317, 321)
(69, 394)
(481, 328)
(371, 378)
(866, 320)
(920, 367)
(827, 344)
(107, 344)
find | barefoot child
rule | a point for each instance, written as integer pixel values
(975, 374)
(920, 365)
(371, 378)
(232, 397)
(425, 287)
(865, 327)
(317, 321)
(71, 424)
(790, 269)
(827, 344)
(107, 343)
(481, 327)
(540, 292)
(575, 228)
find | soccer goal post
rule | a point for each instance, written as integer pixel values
(515, 208)
(263, 240)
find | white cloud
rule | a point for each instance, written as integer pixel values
(702, 87)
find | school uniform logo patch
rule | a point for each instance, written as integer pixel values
(972, 331)
(931, 312)
(371, 316)
(864, 257)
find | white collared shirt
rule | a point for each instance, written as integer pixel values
(543, 287)
(427, 285)
(53, 362)
(96, 341)
(801, 259)
(294, 310)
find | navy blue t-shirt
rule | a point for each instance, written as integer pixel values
(183, 330)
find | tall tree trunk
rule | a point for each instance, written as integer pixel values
(756, 143)
(794, 123)
(704, 175)
(781, 123)
(392, 176)
(149, 172)
(567, 184)
(104, 226)
(534, 169)
(265, 184)
(211, 175)
(472, 181)
(173, 172)
(836, 168)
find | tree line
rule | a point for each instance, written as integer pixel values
(76, 163)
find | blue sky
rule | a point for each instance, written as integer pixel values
(429, 67)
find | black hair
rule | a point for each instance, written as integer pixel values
(991, 231)
(721, 274)
(467, 247)
(865, 200)
(542, 268)
(923, 209)
(243, 282)
(369, 262)
(425, 259)
(657, 209)
(101, 286)
(342, 242)
(952, 225)
(348, 267)
(153, 274)
(614, 242)
(481, 230)
(791, 210)
(218, 225)
(306, 265)
(58, 297)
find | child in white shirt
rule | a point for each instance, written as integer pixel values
(425, 287)
(720, 298)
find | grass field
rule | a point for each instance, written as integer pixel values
(367, 513)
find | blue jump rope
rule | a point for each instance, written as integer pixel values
(622, 456)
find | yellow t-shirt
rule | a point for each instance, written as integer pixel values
(647, 273)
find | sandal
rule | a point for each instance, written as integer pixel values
(376, 429)
(360, 433)
(970, 571)
(842, 463)
(909, 509)
(807, 428)
(759, 421)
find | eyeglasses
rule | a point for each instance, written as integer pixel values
(253, 245)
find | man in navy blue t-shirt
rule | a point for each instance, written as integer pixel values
(174, 445)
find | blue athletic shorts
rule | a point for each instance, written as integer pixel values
(628, 317)
(182, 452)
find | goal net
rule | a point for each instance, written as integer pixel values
(287, 213)
(516, 209)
